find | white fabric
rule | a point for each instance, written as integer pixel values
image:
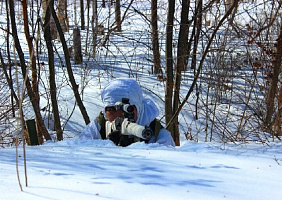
(91, 131)
(147, 110)
(109, 128)
(122, 88)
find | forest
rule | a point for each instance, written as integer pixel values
(214, 65)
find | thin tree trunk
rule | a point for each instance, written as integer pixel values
(94, 26)
(117, 15)
(53, 89)
(31, 94)
(53, 31)
(198, 27)
(34, 79)
(13, 94)
(68, 65)
(155, 37)
(82, 15)
(277, 67)
(181, 64)
(77, 46)
(175, 114)
(169, 62)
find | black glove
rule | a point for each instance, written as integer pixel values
(115, 136)
(126, 140)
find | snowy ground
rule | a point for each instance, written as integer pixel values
(99, 170)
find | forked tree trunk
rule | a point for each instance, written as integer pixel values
(52, 79)
(53, 30)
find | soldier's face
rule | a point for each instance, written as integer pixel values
(112, 113)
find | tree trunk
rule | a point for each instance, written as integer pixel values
(169, 62)
(34, 79)
(53, 29)
(94, 26)
(68, 66)
(10, 81)
(277, 69)
(53, 89)
(62, 4)
(181, 64)
(197, 30)
(77, 46)
(30, 92)
(117, 15)
(197, 74)
(155, 37)
(82, 15)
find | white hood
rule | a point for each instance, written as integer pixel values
(117, 89)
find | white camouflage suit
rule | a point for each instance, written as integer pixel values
(147, 110)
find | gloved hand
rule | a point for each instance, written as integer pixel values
(124, 127)
(115, 137)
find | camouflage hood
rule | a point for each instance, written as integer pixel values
(117, 89)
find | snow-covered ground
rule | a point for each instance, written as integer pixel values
(74, 169)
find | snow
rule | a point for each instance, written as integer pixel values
(100, 170)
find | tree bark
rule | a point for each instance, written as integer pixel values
(53, 89)
(196, 76)
(34, 79)
(62, 5)
(53, 30)
(30, 92)
(181, 64)
(77, 46)
(169, 63)
(155, 37)
(82, 15)
(117, 15)
(94, 27)
(10, 82)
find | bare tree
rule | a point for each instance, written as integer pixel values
(172, 124)
(30, 92)
(68, 64)
(34, 78)
(53, 89)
